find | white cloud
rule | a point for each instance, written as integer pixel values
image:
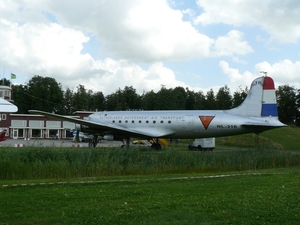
(283, 72)
(47, 38)
(164, 36)
(134, 30)
(237, 79)
(231, 44)
(119, 74)
(279, 18)
(40, 48)
(140, 30)
(50, 49)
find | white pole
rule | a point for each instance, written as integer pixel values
(3, 74)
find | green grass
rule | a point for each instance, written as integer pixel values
(51, 162)
(286, 138)
(268, 198)
(139, 186)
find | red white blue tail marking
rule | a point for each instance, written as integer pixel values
(269, 105)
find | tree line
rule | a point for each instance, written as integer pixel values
(46, 94)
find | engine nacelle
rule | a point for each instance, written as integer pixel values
(82, 128)
(108, 137)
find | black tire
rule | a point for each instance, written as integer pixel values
(91, 144)
(156, 146)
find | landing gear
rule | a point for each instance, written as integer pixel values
(93, 143)
(127, 144)
(156, 145)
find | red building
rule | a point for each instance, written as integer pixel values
(21, 126)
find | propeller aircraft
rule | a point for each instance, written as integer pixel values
(257, 113)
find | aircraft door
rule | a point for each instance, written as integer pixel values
(15, 133)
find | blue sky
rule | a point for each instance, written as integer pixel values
(106, 45)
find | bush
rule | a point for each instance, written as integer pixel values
(51, 162)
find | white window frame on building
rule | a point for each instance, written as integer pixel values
(33, 126)
(3, 117)
(18, 128)
(36, 128)
(69, 127)
(53, 129)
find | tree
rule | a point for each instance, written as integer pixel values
(297, 119)
(131, 98)
(239, 96)
(200, 101)
(195, 100)
(90, 101)
(80, 99)
(44, 93)
(165, 99)
(5, 82)
(179, 95)
(287, 104)
(210, 102)
(224, 98)
(99, 103)
(68, 102)
(20, 97)
(148, 101)
(116, 101)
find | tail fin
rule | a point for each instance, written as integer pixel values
(260, 100)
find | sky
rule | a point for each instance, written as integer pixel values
(106, 45)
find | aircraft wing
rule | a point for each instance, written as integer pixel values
(110, 128)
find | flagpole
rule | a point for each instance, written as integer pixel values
(3, 74)
(11, 97)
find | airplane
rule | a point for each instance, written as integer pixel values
(257, 113)
(2, 135)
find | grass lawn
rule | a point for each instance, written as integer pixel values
(272, 197)
(286, 138)
(112, 186)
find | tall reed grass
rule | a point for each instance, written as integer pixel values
(53, 162)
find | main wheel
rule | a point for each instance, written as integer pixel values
(156, 146)
(91, 144)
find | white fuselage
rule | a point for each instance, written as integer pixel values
(180, 124)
